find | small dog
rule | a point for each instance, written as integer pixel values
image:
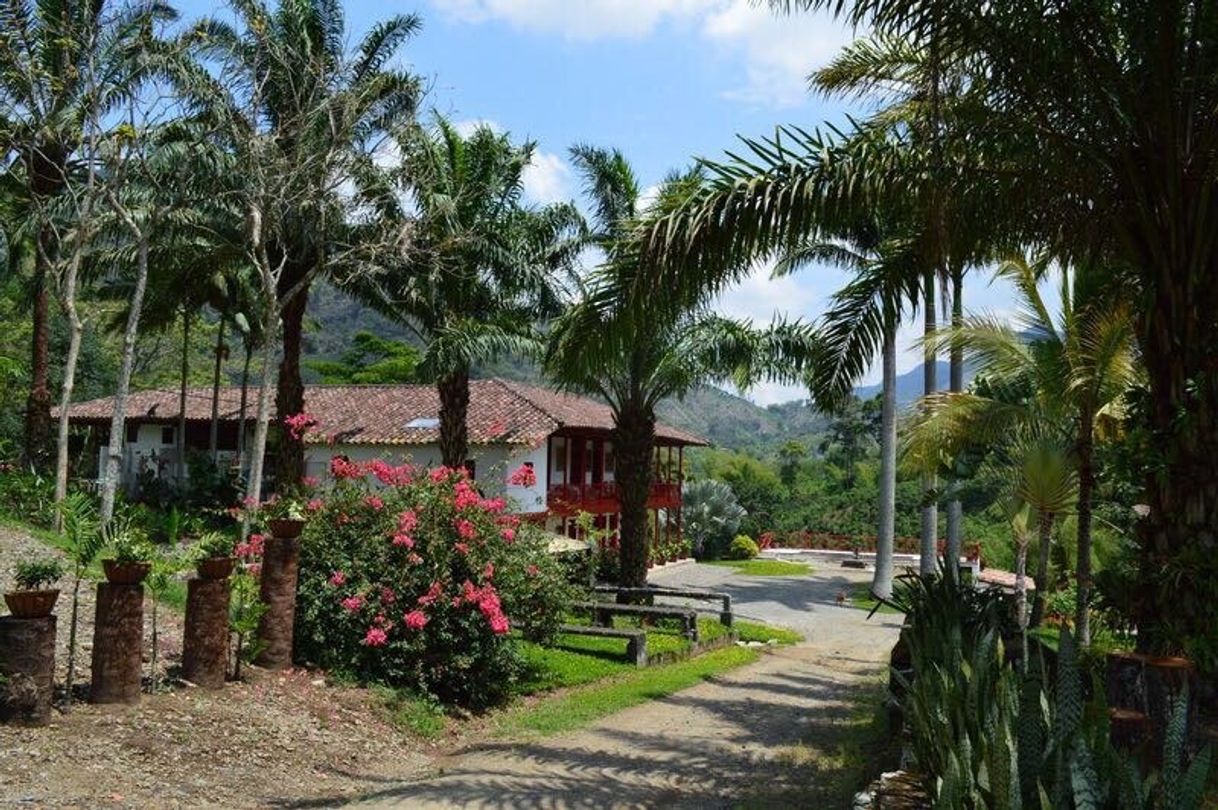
(841, 598)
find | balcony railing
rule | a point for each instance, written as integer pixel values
(605, 497)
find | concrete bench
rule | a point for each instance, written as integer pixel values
(636, 640)
(725, 599)
(603, 613)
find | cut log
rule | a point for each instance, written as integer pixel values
(118, 640)
(280, 564)
(27, 670)
(205, 636)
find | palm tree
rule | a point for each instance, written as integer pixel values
(1052, 385)
(326, 110)
(62, 63)
(632, 351)
(481, 268)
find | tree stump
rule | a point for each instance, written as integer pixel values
(118, 640)
(27, 670)
(280, 564)
(205, 636)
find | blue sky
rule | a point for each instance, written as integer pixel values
(662, 80)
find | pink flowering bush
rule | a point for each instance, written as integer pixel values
(413, 578)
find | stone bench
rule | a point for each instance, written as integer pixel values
(603, 613)
(725, 599)
(636, 640)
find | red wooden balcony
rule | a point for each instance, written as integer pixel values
(603, 498)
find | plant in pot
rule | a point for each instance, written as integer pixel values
(33, 599)
(284, 515)
(132, 558)
(213, 553)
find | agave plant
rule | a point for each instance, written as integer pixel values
(711, 515)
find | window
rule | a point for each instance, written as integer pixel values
(133, 433)
(558, 460)
(610, 462)
(167, 435)
(424, 423)
(589, 461)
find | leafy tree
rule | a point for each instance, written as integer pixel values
(790, 456)
(370, 360)
(710, 515)
(481, 267)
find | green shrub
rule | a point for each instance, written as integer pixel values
(26, 496)
(742, 548)
(33, 575)
(417, 583)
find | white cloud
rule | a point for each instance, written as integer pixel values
(777, 51)
(547, 179)
(468, 126)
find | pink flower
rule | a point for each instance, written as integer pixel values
(310, 481)
(379, 620)
(433, 593)
(523, 476)
(338, 579)
(508, 535)
(353, 604)
(376, 637)
(440, 473)
(494, 505)
(489, 571)
(254, 569)
(374, 503)
(413, 559)
(465, 496)
(407, 521)
(315, 505)
(466, 529)
(499, 624)
(403, 540)
(388, 597)
(299, 424)
(343, 468)
(415, 620)
(461, 548)
(390, 475)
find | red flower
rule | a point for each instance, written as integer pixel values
(374, 503)
(508, 535)
(299, 424)
(353, 604)
(338, 579)
(403, 540)
(315, 505)
(466, 529)
(388, 597)
(376, 637)
(433, 593)
(415, 620)
(523, 476)
(343, 468)
(407, 521)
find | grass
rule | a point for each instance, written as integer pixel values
(410, 712)
(765, 568)
(571, 709)
(860, 597)
(755, 631)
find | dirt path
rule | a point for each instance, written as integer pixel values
(767, 734)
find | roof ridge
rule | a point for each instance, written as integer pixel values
(511, 387)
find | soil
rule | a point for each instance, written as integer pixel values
(274, 739)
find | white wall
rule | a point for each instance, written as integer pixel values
(493, 464)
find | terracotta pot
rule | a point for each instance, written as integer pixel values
(216, 567)
(125, 573)
(31, 604)
(285, 527)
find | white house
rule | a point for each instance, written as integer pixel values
(566, 439)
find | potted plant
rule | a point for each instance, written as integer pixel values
(32, 599)
(284, 515)
(132, 558)
(214, 556)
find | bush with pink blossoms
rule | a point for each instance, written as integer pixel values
(417, 579)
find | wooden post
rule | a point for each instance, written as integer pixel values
(205, 636)
(118, 639)
(27, 662)
(280, 564)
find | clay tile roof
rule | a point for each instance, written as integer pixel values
(499, 412)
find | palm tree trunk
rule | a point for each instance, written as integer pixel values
(634, 445)
(1086, 486)
(38, 403)
(881, 584)
(289, 396)
(118, 417)
(454, 408)
(930, 382)
(1045, 530)
(214, 436)
(241, 420)
(955, 510)
(183, 380)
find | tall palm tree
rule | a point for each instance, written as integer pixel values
(326, 109)
(481, 268)
(633, 351)
(1053, 384)
(62, 63)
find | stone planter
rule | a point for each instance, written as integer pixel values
(31, 604)
(216, 567)
(125, 573)
(285, 527)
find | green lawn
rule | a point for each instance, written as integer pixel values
(861, 598)
(765, 568)
(571, 709)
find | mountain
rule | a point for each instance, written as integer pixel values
(909, 384)
(726, 420)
